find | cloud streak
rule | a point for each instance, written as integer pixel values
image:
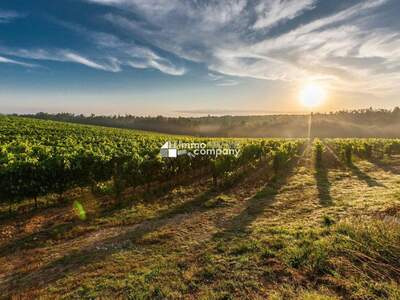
(5, 60)
(128, 55)
(135, 56)
(272, 13)
(221, 80)
(112, 65)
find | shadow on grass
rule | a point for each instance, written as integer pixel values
(385, 166)
(29, 210)
(233, 236)
(149, 195)
(323, 184)
(39, 238)
(98, 251)
(364, 176)
(258, 203)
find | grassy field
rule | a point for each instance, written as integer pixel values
(328, 232)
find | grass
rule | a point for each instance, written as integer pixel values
(332, 233)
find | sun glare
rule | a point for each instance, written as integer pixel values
(312, 95)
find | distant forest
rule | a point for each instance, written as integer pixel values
(349, 123)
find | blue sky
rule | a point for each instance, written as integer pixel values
(149, 57)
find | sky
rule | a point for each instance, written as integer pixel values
(189, 57)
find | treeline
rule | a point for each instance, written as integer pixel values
(347, 123)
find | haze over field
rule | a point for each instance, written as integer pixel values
(359, 123)
(184, 57)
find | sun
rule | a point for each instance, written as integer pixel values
(312, 95)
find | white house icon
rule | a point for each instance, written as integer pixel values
(167, 151)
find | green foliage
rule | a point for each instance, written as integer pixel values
(318, 149)
(283, 153)
(45, 157)
(279, 152)
(364, 148)
(367, 150)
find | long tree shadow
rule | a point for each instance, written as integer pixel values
(384, 166)
(323, 184)
(258, 203)
(100, 250)
(39, 238)
(150, 196)
(107, 201)
(358, 172)
(234, 236)
(238, 228)
(364, 176)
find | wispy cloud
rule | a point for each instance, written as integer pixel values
(153, 61)
(123, 54)
(5, 60)
(272, 13)
(135, 56)
(222, 80)
(111, 64)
